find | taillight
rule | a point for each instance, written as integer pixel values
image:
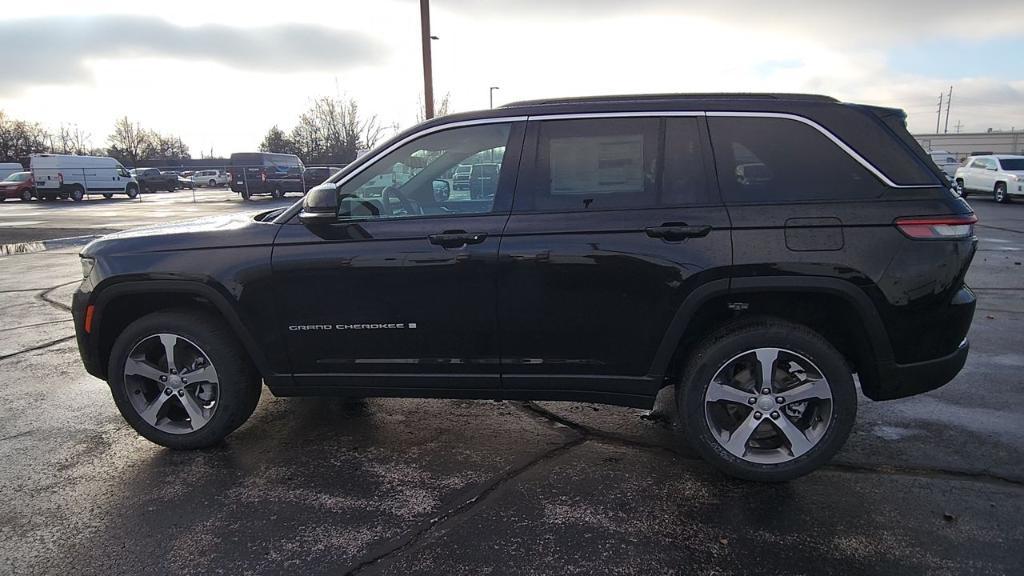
(263, 175)
(60, 177)
(937, 228)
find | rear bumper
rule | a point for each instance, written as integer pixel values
(902, 380)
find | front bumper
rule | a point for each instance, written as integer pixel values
(87, 348)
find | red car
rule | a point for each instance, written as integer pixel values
(17, 185)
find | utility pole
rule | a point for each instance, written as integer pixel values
(428, 75)
(958, 125)
(938, 114)
(493, 88)
(948, 100)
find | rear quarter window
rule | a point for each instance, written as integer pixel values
(772, 160)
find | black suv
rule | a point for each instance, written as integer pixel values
(753, 251)
(254, 173)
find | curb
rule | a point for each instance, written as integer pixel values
(44, 245)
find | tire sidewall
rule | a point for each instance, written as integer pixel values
(1000, 193)
(795, 338)
(236, 388)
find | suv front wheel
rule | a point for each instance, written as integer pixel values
(767, 400)
(181, 379)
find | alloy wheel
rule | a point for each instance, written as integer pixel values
(768, 405)
(171, 383)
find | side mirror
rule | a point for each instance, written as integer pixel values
(442, 190)
(320, 205)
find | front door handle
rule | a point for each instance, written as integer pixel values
(678, 231)
(456, 238)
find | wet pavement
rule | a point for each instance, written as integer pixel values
(926, 485)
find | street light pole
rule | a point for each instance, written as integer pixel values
(493, 88)
(428, 75)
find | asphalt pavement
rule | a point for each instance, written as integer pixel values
(927, 485)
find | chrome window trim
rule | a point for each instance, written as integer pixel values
(828, 134)
(294, 209)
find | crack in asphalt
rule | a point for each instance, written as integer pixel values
(453, 515)
(37, 347)
(991, 227)
(45, 296)
(36, 324)
(590, 433)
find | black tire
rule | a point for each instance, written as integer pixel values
(277, 193)
(26, 195)
(3, 197)
(999, 194)
(77, 193)
(132, 191)
(108, 195)
(239, 387)
(212, 183)
(736, 338)
(960, 188)
(245, 195)
(172, 188)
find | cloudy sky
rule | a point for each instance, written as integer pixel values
(219, 75)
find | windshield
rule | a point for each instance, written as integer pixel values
(1012, 163)
(18, 177)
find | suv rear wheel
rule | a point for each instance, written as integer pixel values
(767, 400)
(181, 379)
(1000, 194)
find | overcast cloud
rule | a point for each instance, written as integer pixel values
(220, 76)
(55, 50)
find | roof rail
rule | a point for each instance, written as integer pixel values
(632, 98)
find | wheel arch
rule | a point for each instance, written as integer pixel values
(850, 320)
(120, 304)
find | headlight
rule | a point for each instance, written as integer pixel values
(87, 265)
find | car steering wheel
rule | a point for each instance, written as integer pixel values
(406, 205)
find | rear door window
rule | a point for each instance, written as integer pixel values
(771, 160)
(615, 163)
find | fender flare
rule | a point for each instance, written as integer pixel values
(877, 336)
(187, 287)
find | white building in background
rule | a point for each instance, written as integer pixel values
(964, 144)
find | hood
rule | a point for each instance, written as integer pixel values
(231, 230)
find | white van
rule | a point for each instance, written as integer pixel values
(65, 176)
(946, 161)
(8, 168)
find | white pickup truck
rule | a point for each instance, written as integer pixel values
(1001, 175)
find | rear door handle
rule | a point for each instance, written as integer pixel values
(678, 231)
(456, 238)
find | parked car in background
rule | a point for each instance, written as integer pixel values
(946, 161)
(8, 168)
(152, 179)
(1001, 175)
(69, 176)
(17, 185)
(483, 180)
(460, 179)
(254, 173)
(315, 175)
(210, 178)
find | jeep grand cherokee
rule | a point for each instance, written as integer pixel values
(753, 251)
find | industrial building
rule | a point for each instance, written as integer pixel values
(965, 144)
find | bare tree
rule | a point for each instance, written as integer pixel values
(129, 142)
(70, 139)
(20, 139)
(331, 131)
(440, 108)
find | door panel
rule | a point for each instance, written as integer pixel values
(603, 246)
(593, 293)
(379, 298)
(399, 292)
